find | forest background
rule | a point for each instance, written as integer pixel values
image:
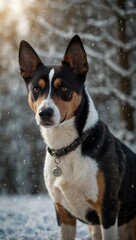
(108, 31)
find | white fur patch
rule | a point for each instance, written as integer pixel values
(51, 73)
(92, 116)
(77, 184)
(110, 233)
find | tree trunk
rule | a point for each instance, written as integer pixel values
(125, 82)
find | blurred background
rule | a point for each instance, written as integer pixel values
(108, 31)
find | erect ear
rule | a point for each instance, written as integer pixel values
(28, 60)
(75, 56)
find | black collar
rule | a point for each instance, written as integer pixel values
(64, 151)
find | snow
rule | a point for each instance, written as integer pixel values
(25, 217)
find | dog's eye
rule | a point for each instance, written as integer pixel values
(64, 89)
(36, 89)
(65, 92)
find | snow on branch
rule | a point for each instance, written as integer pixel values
(92, 53)
(101, 23)
(110, 53)
(107, 91)
(124, 98)
(66, 6)
(120, 95)
(100, 56)
(126, 46)
(106, 58)
(131, 12)
(50, 54)
(100, 6)
(118, 69)
(119, 11)
(69, 34)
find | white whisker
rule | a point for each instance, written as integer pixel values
(31, 121)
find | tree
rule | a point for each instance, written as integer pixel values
(127, 111)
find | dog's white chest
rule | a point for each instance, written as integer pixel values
(76, 185)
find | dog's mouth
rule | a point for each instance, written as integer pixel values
(51, 123)
(46, 123)
(63, 118)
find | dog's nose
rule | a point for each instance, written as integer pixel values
(46, 114)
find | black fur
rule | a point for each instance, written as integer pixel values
(118, 164)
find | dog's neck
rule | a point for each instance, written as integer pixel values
(61, 135)
(64, 134)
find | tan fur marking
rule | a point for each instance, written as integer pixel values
(57, 82)
(67, 108)
(101, 185)
(42, 83)
(128, 230)
(134, 228)
(95, 231)
(34, 104)
(64, 216)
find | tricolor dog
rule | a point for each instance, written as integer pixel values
(90, 175)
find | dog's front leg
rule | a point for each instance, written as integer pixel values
(108, 219)
(110, 233)
(95, 231)
(66, 222)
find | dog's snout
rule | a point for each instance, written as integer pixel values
(46, 114)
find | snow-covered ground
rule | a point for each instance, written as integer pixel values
(31, 218)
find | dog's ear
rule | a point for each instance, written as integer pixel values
(75, 56)
(28, 60)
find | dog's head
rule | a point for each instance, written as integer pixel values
(54, 92)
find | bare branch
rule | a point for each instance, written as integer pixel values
(66, 5)
(107, 91)
(127, 46)
(119, 11)
(69, 34)
(101, 23)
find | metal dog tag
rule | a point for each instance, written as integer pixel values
(57, 172)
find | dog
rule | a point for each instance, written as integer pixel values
(89, 174)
